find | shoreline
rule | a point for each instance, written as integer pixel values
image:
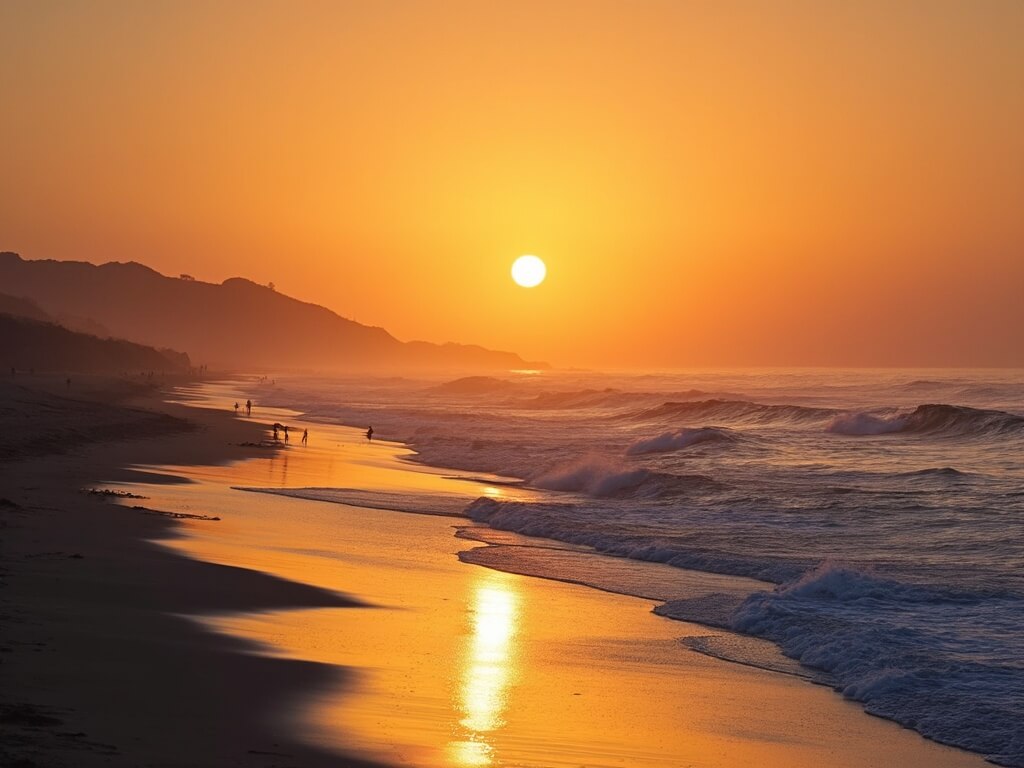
(99, 666)
(308, 633)
(263, 544)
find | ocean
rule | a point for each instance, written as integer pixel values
(866, 526)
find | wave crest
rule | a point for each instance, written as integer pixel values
(592, 475)
(732, 410)
(674, 441)
(865, 424)
(933, 419)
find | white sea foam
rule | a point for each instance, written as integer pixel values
(892, 646)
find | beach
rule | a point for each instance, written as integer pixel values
(297, 632)
(98, 668)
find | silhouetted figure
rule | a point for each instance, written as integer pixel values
(305, 436)
(369, 434)
(275, 433)
(286, 433)
(236, 409)
(248, 407)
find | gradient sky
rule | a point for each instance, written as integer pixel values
(710, 183)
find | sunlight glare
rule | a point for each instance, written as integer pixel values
(528, 271)
(488, 672)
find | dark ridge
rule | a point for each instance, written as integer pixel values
(43, 346)
(236, 324)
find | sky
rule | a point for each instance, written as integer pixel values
(709, 183)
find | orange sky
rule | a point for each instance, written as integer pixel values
(709, 182)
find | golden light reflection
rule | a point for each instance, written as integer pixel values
(489, 667)
(491, 492)
(470, 753)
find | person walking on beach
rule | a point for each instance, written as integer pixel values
(369, 434)
(275, 433)
(236, 409)
(248, 407)
(305, 436)
(286, 433)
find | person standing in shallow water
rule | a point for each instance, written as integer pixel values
(369, 434)
(248, 407)
(305, 436)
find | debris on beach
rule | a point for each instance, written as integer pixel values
(176, 515)
(112, 494)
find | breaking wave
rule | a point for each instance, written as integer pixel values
(887, 644)
(594, 476)
(947, 420)
(865, 424)
(674, 441)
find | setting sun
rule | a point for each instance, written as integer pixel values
(528, 271)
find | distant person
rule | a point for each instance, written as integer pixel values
(248, 407)
(286, 433)
(236, 409)
(305, 436)
(275, 433)
(369, 434)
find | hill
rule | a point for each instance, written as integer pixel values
(236, 324)
(22, 307)
(43, 346)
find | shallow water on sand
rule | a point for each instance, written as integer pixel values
(456, 665)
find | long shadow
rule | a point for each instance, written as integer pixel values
(102, 665)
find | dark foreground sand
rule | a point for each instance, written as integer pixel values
(96, 668)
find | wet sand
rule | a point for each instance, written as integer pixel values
(453, 664)
(98, 665)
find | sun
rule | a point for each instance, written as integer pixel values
(528, 271)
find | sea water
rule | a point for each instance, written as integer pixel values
(881, 513)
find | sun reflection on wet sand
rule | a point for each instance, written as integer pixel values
(489, 668)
